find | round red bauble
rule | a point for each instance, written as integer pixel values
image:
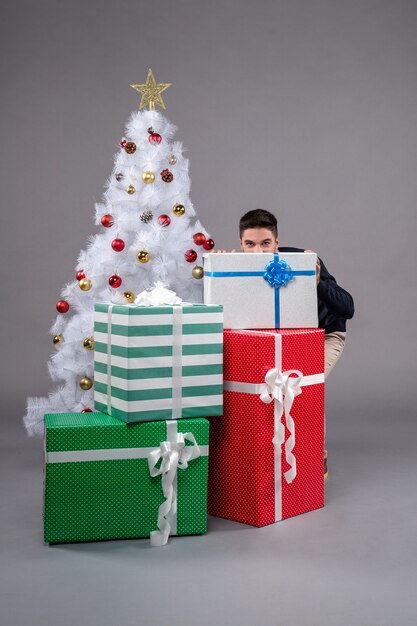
(164, 220)
(117, 244)
(199, 239)
(62, 306)
(190, 256)
(208, 244)
(115, 281)
(107, 220)
(79, 275)
(87, 410)
(155, 138)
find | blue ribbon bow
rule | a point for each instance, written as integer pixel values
(278, 273)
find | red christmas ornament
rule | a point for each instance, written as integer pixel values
(164, 220)
(87, 410)
(115, 281)
(208, 244)
(190, 256)
(154, 138)
(199, 239)
(117, 244)
(79, 275)
(62, 306)
(123, 142)
(107, 220)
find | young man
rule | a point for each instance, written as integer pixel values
(259, 233)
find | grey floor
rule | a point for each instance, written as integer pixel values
(353, 562)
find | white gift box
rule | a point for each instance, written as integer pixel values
(266, 290)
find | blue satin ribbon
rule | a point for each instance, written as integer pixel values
(277, 273)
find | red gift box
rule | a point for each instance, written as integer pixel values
(266, 451)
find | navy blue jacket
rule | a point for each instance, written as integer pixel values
(335, 305)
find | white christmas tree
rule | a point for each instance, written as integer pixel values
(148, 233)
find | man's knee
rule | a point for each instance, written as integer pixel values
(334, 344)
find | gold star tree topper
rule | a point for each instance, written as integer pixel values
(151, 92)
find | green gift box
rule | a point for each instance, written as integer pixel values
(105, 479)
(158, 362)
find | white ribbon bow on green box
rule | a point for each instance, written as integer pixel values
(173, 454)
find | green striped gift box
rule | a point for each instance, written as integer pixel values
(158, 363)
(97, 481)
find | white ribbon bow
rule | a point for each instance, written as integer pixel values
(173, 455)
(283, 389)
(158, 295)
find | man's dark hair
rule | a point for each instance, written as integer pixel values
(259, 218)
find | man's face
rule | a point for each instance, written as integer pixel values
(258, 240)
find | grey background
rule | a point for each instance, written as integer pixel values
(308, 109)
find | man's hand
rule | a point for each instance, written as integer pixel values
(317, 267)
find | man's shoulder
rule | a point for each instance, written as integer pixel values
(292, 249)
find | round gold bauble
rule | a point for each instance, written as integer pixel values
(143, 256)
(130, 190)
(178, 209)
(172, 159)
(86, 383)
(129, 296)
(84, 284)
(88, 343)
(197, 271)
(148, 177)
(58, 339)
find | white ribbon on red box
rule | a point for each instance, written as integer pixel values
(282, 388)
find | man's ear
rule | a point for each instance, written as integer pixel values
(241, 245)
(277, 244)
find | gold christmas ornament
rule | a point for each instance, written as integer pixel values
(143, 256)
(88, 343)
(148, 177)
(151, 92)
(172, 159)
(58, 339)
(129, 296)
(85, 284)
(86, 383)
(178, 209)
(130, 190)
(197, 271)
